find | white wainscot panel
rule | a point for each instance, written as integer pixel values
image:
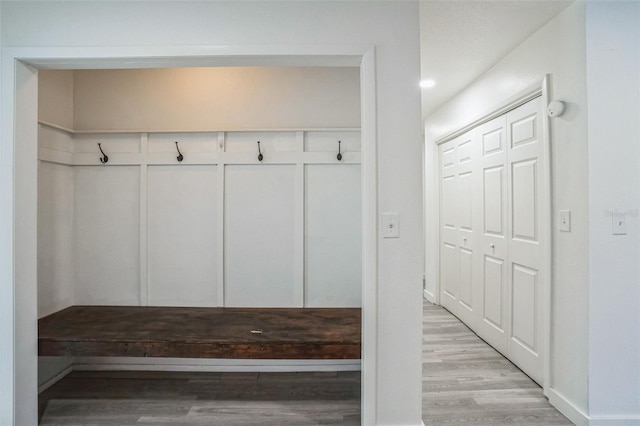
(107, 232)
(269, 142)
(333, 236)
(259, 236)
(182, 235)
(55, 241)
(188, 142)
(328, 141)
(54, 139)
(111, 143)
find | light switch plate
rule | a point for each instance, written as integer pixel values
(564, 220)
(619, 224)
(390, 225)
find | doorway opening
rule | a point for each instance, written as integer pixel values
(25, 130)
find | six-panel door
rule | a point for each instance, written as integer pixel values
(490, 251)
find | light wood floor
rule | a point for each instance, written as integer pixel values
(465, 382)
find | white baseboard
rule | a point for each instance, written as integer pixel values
(213, 365)
(614, 420)
(52, 381)
(568, 409)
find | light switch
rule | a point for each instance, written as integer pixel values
(390, 225)
(564, 220)
(619, 224)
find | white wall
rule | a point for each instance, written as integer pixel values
(390, 27)
(217, 98)
(557, 49)
(6, 288)
(613, 83)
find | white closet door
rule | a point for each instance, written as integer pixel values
(492, 233)
(525, 151)
(449, 288)
(492, 140)
(460, 201)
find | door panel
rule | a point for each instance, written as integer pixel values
(449, 213)
(466, 278)
(493, 200)
(493, 306)
(464, 199)
(525, 152)
(524, 129)
(524, 300)
(524, 209)
(493, 141)
(448, 272)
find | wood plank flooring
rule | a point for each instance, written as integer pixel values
(224, 399)
(465, 382)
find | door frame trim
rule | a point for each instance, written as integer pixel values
(18, 154)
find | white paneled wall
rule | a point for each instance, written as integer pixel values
(182, 235)
(219, 228)
(106, 235)
(333, 207)
(55, 228)
(260, 236)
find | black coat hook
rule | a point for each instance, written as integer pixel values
(180, 157)
(260, 156)
(339, 153)
(104, 159)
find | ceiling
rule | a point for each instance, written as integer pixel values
(460, 40)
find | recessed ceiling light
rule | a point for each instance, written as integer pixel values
(426, 84)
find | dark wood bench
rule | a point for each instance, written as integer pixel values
(239, 333)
